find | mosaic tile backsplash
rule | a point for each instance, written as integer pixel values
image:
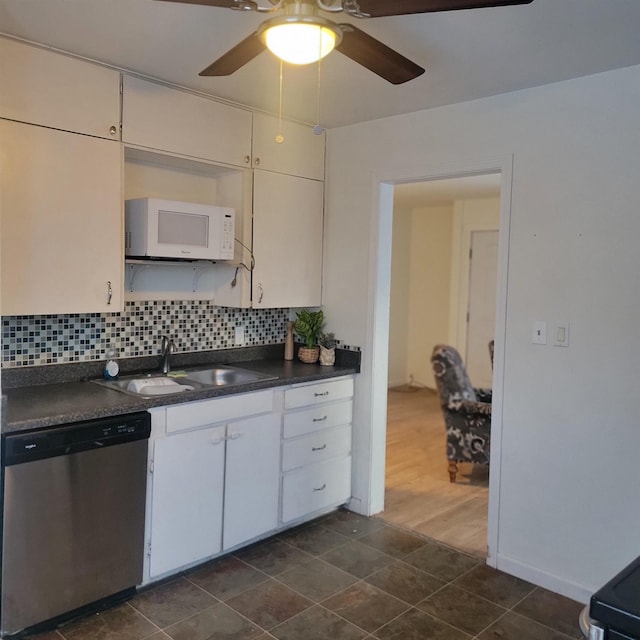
(193, 326)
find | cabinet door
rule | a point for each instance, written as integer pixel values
(62, 221)
(287, 241)
(252, 479)
(171, 120)
(54, 90)
(186, 503)
(300, 154)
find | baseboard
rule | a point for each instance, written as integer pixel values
(543, 579)
(417, 384)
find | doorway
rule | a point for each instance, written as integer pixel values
(443, 290)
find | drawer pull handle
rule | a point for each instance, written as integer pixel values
(320, 395)
(322, 488)
(320, 419)
(324, 446)
(215, 441)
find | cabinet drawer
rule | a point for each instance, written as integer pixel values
(317, 393)
(208, 412)
(316, 447)
(315, 487)
(325, 416)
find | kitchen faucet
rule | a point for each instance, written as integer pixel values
(167, 349)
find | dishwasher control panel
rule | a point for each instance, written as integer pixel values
(75, 437)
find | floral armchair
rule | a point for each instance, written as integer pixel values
(466, 410)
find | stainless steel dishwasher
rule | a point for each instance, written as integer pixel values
(73, 518)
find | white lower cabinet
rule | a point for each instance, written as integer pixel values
(316, 448)
(187, 493)
(228, 471)
(251, 479)
(315, 487)
(211, 486)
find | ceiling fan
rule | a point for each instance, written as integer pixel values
(322, 34)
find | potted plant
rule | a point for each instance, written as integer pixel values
(327, 344)
(308, 327)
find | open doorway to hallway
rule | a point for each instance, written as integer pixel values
(443, 288)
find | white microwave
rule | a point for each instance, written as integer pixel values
(173, 230)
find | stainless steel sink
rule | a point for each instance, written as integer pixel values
(123, 385)
(183, 380)
(224, 375)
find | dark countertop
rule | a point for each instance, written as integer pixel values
(39, 399)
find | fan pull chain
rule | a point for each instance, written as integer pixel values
(318, 129)
(280, 138)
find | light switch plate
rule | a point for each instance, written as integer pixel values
(561, 334)
(239, 336)
(539, 335)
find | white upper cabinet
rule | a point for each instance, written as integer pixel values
(175, 121)
(287, 241)
(55, 90)
(62, 221)
(301, 153)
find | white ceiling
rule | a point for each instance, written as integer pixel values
(467, 54)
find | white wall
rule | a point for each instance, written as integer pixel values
(420, 284)
(400, 292)
(569, 502)
(430, 250)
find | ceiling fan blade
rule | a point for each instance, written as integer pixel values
(235, 58)
(227, 4)
(376, 56)
(381, 8)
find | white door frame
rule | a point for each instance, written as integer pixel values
(377, 338)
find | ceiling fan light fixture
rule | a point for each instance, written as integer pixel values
(300, 39)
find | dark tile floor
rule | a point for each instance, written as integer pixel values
(342, 577)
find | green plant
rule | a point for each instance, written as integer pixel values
(308, 326)
(328, 341)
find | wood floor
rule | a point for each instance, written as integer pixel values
(418, 493)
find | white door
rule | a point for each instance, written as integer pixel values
(186, 503)
(252, 483)
(483, 275)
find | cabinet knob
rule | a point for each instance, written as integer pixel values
(247, 159)
(260, 292)
(215, 441)
(113, 129)
(256, 161)
(109, 292)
